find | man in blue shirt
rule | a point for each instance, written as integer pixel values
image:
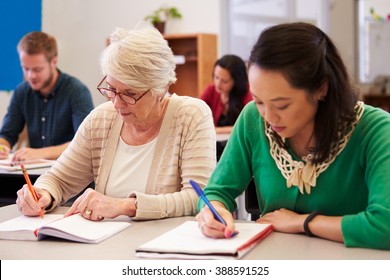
(49, 102)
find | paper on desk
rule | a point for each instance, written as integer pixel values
(23, 227)
(187, 242)
(9, 165)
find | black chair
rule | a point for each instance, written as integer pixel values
(10, 183)
(251, 203)
(220, 147)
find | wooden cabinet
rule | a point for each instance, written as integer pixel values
(200, 54)
(381, 101)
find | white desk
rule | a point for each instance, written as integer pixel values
(31, 172)
(277, 246)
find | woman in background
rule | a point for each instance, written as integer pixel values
(229, 92)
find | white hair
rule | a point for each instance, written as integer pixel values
(140, 58)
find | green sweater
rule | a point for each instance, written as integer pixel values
(356, 185)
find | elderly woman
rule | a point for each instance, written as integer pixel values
(141, 148)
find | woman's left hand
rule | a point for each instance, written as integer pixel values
(96, 206)
(284, 220)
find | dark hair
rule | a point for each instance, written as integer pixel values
(308, 59)
(38, 43)
(237, 69)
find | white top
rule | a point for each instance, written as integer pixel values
(185, 150)
(130, 168)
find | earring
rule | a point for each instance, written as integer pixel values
(322, 98)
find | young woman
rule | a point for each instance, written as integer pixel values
(320, 159)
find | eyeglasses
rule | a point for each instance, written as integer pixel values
(127, 96)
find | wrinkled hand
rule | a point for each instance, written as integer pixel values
(96, 206)
(213, 228)
(284, 220)
(26, 203)
(26, 154)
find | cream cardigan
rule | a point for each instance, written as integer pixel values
(185, 150)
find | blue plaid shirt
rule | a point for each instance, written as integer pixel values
(51, 120)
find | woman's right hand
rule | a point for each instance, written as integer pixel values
(213, 228)
(27, 204)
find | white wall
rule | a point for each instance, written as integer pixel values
(82, 26)
(249, 18)
(342, 24)
(5, 97)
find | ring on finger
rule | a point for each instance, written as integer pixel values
(88, 211)
(201, 226)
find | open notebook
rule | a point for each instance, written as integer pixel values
(187, 242)
(74, 228)
(8, 165)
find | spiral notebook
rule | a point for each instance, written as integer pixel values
(187, 242)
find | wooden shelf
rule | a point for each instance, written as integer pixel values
(381, 101)
(200, 53)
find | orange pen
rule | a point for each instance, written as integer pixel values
(30, 187)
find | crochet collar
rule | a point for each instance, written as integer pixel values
(303, 174)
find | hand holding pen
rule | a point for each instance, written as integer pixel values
(214, 229)
(31, 188)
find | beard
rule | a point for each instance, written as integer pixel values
(46, 83)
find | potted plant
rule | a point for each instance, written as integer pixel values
(161, 15)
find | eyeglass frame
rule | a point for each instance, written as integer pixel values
(118, 93)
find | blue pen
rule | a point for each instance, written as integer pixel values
(200, 193)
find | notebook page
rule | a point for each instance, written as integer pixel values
(79, 229)
(23, 227)
(9, 165)
(188, 239)
(28, 223)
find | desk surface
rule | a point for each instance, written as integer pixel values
(32, 172)
(277, 246)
